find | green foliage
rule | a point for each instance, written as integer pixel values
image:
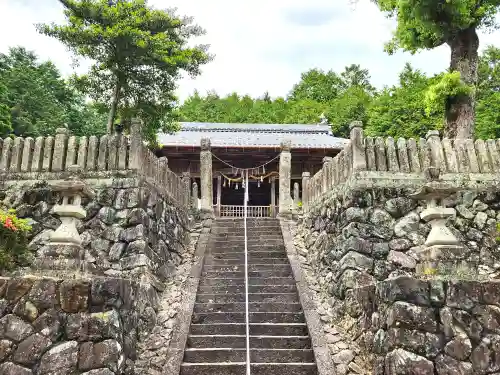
(399, 111)
(14, 251)
(351, 105)
(430, 23)
(5, 121)
(342, 98)
(35, 100)
(139, 53)
(426, 24)
(450, 85)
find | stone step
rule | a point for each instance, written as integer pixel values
(252, 307)
(240, 262)
(220, 261)
(235, 289)
(211, 355)
(220, 298)
(281, 355)
(250, 243)
(236, 238)
(253, 267)
(252, 297)
(252, 255)
(254, 317)
(259, 288)
(274, 297)
(271, 281)
(239, 230)
(209, 274)
(222, 282)
(250, 238)
(280, 342)
(212, 281)
(231, 354)
(256, 342)
(216, 341)
(256, 329)
(283, 369)
(213, 369)
(256, 369)
(240, 248)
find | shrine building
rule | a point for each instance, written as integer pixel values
(217, 155)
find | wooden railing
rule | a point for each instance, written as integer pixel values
(252, 211)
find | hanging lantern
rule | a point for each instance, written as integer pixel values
(263, 169)
(236, 187)
(258, 184)
(261, 179)
(224, 184)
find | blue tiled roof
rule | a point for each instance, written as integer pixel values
(253, 135)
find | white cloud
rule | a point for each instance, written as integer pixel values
(260, 45)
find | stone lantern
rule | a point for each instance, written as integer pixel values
(442, 254)
(65, 251)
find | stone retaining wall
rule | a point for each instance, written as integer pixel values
(130, 230)
(362, 237)
(429, 327)
(61, 327)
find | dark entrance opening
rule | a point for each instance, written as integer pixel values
(259, 193)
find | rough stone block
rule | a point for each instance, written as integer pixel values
(74, 295)
(9, 368)
(402, 362)
(405, 289)
(101, 354)
(412, 316)
(30, 350)
(62, 359)
(14, 328)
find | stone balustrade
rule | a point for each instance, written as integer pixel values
(385, 158)
(62, 155)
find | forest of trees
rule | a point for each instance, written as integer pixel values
(402, 110)
(139, 53)
(35, 100)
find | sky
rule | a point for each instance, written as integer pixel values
(259, 45)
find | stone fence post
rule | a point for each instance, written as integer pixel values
(186, 181)
(305, 190)
(206, 180)
(326, 173)
(136, 145)
(285, 171)
(194, 196)
(358, 146)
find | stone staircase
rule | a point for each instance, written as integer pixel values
(279, 339)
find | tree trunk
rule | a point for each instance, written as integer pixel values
(114, 107)
(460, 114)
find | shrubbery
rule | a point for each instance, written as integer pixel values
(14, 250)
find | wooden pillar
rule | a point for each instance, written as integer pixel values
(219, 193)
(273, 197)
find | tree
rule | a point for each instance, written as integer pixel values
(317, 85)
(351, 105)
(36, 100)
(35, 93)
(354, 75)
(399, 111)
(139, 53)
(5, 121)
(488, 94)
(426, 24)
